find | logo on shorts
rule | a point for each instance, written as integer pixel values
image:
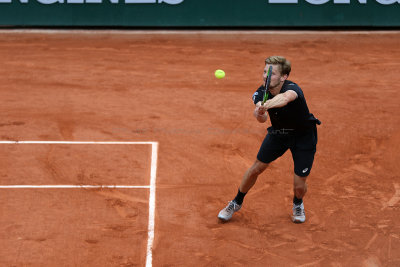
(305, 170)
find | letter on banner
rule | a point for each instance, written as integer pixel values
(140, 1)
(282, 1)
(387, 2)
(100, 1)
(348, 1)
(49, 2)
(171, 2)
(317, 2)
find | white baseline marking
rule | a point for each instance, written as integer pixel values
(70, 186)
(152, 186)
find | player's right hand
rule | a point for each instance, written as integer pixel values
(260, 110)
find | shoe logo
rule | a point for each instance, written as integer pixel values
(305, 170)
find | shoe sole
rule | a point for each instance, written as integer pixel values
(224, 219)
(297, 220)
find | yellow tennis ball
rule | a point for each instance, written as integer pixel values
(219, 74)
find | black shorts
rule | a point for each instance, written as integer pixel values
(303, 147)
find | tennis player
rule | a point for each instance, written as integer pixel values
(293, 127)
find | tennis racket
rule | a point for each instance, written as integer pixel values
(267, 82)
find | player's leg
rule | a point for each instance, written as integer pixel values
(271, 148)
(248, 180)
(299, 191)
(251, 175)
(303, 157)
(299, 186)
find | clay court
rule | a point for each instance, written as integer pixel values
(159, 87)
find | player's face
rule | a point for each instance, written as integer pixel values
(276, 78)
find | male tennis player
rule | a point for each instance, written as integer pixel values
(293, 127)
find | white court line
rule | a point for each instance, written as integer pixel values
(152, 204)
(71, 186)
(152, 186)
(78, 142)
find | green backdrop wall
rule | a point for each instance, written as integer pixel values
(200, 13)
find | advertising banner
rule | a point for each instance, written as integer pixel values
(200, 13)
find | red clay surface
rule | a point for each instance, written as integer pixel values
(94, 164)
(160, 87)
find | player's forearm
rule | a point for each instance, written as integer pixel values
(277, 102)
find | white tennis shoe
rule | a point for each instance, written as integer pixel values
(299, 216)
(226, 213)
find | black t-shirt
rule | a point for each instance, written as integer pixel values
(295, 115)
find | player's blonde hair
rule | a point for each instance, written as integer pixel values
(281, 61)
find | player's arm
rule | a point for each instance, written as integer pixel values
(281, 100)
(260, 112)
